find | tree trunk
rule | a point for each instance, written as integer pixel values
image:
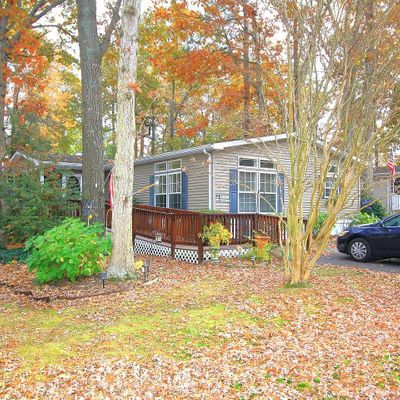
(246, 76)
(122, 259)
(3, 62)
(172, 113)
(92, 123)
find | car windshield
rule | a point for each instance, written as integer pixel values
(395, 221)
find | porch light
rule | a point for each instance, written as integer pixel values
(158, 237)
(103, 277)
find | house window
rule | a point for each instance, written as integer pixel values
(267, 192)
(160, 191)
(266, 164)
(174, 164)
(247, 162)
(257, 192)
(330, 181)
(160, 167)
(175, 190)
(168, 193)
(74, 183)
(247, 191)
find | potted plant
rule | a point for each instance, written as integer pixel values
(261, 239)
(214, 235)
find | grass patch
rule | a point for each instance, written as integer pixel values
(328, 272)
(344, 300)
(256, 299)
(169, 333)
(42, 337)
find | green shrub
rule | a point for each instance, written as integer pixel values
(320, 222)
(373, 207)
(363, 218)
(70, 250)
(6, 256)
(264, 254)
(29, 207)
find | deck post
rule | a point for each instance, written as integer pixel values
(254, 227)
(199, 230)
(172, 233)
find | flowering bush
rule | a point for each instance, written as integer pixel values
(373, 207)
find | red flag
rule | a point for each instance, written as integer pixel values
(392, 169)
(111, 187)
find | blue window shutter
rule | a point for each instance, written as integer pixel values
(184, 191)
(233, 191)
(280, 193)
(151, 191)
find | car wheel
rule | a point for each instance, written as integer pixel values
(360, 250)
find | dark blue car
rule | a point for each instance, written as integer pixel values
(379, 240)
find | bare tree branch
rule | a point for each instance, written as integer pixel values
(110, 28)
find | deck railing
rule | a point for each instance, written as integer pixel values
(183, 227)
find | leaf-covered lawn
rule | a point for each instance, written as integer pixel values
(212, 333)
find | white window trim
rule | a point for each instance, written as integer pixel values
(257, 192)
(174, 169)
(167, 164)
(268, 160)
(167, 173)
(247, 158)
(258, 163)
(161, 171)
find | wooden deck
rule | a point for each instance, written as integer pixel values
(180, 229)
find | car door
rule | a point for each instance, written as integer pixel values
(391, 236)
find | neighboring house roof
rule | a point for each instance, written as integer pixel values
(209, 147)
(73, 161)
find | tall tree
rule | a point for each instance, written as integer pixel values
(92, 49)
(18, 46)
(122, 259)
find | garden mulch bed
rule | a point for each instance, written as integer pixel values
(16, 277)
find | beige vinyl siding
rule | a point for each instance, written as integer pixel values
(196, 167)
(141, 179)
(225, 160)
(198, 181)
(382, 190)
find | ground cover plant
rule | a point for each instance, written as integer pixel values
(209, 332)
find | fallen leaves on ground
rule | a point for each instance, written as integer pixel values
(209, 332)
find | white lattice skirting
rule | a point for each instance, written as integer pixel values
(143, 246)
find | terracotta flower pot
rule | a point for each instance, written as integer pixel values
(261, 241)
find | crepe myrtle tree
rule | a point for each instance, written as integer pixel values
(333, 96)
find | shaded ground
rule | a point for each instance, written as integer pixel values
(343, 260)
(209, 332)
